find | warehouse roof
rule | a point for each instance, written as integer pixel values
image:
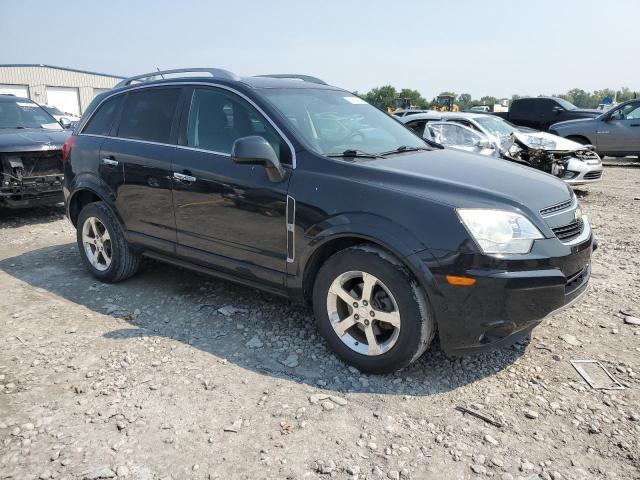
(28, 65)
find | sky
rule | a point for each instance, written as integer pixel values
(496, 47)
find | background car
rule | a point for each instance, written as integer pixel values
(615, 133)
(541, 112)
(31, 143)
(65, 119)
(569, 160)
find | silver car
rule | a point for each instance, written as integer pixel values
(493, 136)
(615, 133)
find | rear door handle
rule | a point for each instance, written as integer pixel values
(112, 162)
(184, 178)
(635, 124)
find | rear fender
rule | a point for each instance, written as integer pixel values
(94, 184)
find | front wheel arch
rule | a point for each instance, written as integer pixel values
(581, 139)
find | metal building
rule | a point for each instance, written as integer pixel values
(67, 89)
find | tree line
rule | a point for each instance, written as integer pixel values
(383, 97)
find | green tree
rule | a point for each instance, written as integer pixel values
(465, 101)
(488, 100)
(381, 97)
(414, 96)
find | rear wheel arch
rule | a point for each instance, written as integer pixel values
(79, 199)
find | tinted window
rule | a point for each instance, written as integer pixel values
(101, 121)
(217, 119)
(520, 107)
(148, 114)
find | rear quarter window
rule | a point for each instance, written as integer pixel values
(101, 121)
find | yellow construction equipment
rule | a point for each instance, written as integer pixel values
(399, 104)
(445, 103)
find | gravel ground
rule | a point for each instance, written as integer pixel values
(178, 375)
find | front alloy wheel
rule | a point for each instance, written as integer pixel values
(363, 313)
(370, 309)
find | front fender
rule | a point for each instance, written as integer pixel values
(380, 231)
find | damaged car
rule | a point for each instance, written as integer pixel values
(31, 141)
(488, 135)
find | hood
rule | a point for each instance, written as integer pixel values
(587, 111)
(576, 121)
(468, 180)
(31, 139)
(547, 141)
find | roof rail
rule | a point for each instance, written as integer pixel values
(304, 78)
(146, 77)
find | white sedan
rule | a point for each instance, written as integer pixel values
(489, 135)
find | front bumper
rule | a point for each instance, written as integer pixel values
(31, 191)
(582, 173)
(511, 295)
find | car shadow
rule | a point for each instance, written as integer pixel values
(14, 218)
(580, 193)
(266, 334)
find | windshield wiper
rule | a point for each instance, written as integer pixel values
(404, 148)
(355, 153)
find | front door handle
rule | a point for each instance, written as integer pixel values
(110, 161)
(184, 178)
(635, 124)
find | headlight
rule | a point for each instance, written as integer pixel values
(499, 231)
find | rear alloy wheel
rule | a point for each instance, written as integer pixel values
(371, 311)
(102, 244)
(97, 244)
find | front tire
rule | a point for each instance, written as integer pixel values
(103, 247)
(371, 311)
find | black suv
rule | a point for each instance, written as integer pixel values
(287, 184)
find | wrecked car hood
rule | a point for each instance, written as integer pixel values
(547, 141)
(31, 139)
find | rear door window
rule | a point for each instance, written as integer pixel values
(101, 121)
(148, 115)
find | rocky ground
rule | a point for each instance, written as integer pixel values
(177, 375)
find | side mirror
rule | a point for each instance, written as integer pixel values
(65, 122)
(557, 109)
(484, 142)
(255, 150)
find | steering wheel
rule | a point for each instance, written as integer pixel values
(355, 133)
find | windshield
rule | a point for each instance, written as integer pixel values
(52, 110)
(495, 125)
(335, 121)
(565, 104)
(25, 114)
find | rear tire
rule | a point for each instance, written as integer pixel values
(102, 245)
(371, 311)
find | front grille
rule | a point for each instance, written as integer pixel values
(556, 208)
(569, 231)
(593, 175)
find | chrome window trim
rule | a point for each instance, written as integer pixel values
(182, 84)
(291, 228)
